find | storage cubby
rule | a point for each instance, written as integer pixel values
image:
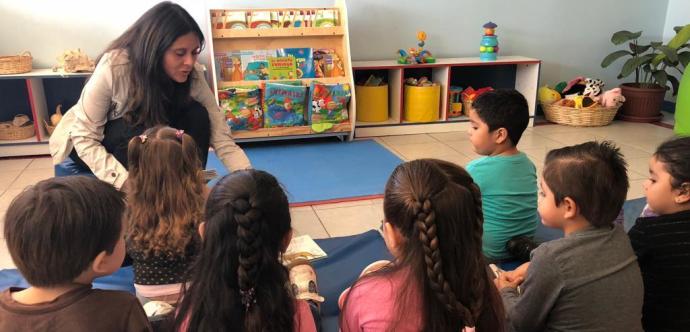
(515, 72)
(36, 94)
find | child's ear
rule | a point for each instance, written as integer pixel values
(392, 237)
(683, 195)
(202, 229)
(100, 263)
(500, 135)
(286, 241)
(570, 208)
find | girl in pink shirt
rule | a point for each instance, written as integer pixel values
(438, 280)
(238, 282)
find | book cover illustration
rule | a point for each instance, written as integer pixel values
(329, 103)
(285, 105)
(242, 108)
(255, 64)
(327, 63)
(282, 68)
(304, 60)
(228, 66)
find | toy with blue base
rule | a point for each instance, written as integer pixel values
(416, 55)
(488, 47)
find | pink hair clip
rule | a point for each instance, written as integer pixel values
(179, 134)
(143, 138)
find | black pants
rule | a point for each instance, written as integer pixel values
(193, 119)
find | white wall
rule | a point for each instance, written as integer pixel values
(571, 37)
(677, 13)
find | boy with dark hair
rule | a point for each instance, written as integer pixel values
(588, 280)
(62, 233)
(506, 177)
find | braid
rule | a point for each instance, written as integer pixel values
(426, 224)
(478, 283)
(249, 244)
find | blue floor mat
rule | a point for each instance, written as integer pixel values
(321, 170)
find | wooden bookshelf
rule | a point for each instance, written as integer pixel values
(227, 40)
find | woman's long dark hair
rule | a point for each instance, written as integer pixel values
(238, 282)
(437, 208)
(152, 93)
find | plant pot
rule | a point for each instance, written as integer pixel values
(642, 102)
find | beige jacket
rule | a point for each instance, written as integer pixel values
(104, 98)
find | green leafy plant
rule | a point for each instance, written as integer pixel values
(654, 64)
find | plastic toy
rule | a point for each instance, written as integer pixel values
(416, 55)
(547, 95)
(488, 47)
(455, 101)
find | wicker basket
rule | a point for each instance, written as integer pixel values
(580, 117)
(15, 64)
(49, 128)
(9, 131)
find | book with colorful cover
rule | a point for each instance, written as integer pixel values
(329, 103)
(304, 60)
(228, 65)
(285, 105)
(327, 63)
(242, 107)
(282, 68)
(255, 64)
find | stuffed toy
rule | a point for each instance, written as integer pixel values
(610, 98)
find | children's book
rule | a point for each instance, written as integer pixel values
(282, 68)
(304, 60)
(285, 105)
(255, 64)
(228, 66)
(329, 103)
(303, 247)
(327, 63)
(242, 108)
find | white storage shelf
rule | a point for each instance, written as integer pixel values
(520, 73)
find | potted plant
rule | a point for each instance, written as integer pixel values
(654, 65)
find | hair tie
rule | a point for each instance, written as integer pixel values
(248, 298)
(179, 134)
(143, 138)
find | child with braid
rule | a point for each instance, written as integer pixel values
(238, 282)
(588, 280)
(438, 280)
(165, 196)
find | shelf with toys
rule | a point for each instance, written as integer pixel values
(282, 73)
(421, 94)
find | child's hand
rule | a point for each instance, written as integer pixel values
(505, 281)
(521, 271)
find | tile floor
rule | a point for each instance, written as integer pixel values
(637, 142)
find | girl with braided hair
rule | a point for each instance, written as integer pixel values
(238, 282)
(438, 280)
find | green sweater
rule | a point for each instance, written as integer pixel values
(509, 198)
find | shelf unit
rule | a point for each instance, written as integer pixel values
(224, 40)
(516, 72)
(36, 94)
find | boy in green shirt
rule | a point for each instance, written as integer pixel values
(506, 177)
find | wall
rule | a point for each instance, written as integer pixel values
(677, 13)
(570, 37)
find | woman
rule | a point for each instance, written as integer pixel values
(148, 76)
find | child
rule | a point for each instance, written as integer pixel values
(662, 243)
(589, 280)
(62, 233)
(438, 280)
(238, 282)
(165, 195)
(506, 177)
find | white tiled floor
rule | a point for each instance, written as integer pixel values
(637, 142)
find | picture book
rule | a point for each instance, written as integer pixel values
(285, 105)
(303, 247)
(327, 63)
(242, 107)
(329, 103)
(304, 60)
(228, 66)
(255, 64)
(282, 68)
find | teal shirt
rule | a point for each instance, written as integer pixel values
(509, 199)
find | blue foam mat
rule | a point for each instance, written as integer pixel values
(319, 171)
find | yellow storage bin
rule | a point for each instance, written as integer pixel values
(372, 103)
(422, 103)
